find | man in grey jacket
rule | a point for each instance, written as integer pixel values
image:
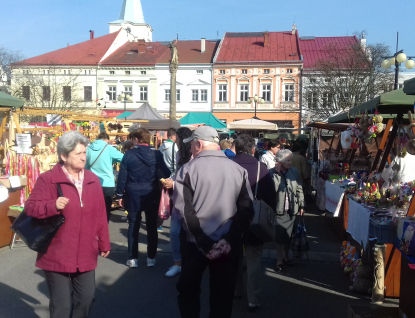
(169, 150)
(214, 199)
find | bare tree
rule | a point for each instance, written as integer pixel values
(49, 88)
(346, 77)
(7, 57)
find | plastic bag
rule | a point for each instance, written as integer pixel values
(164, 207)
(299, 243)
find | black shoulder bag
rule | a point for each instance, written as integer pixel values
(38, 233)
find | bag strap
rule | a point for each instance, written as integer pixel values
(257, 179)
(172, 155)
(60, 193)
(98, 156)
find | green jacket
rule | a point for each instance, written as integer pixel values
(290, 183)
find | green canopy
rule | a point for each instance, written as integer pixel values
(202, 118)
(123, 115)
(394, 102)
(10, 101)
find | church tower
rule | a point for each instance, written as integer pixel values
(132, 19)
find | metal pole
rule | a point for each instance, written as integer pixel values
(395, 86)
(125, 101)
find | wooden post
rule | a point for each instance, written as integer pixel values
(388, 148)
(3, 125)
(382, 144)
(16, 122)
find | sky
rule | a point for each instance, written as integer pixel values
(34, 27)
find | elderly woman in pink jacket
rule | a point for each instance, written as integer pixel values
(70, 261)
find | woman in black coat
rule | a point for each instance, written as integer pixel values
(245, 148)
(138, 189)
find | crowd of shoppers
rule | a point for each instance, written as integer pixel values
(211, 186)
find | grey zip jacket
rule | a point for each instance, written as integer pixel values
(214, 199)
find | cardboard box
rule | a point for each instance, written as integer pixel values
(6, 182)
(372, 311)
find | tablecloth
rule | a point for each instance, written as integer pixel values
(358, 222)
(334, 198)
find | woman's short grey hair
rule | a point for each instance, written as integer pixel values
(68, 141)
(283, 155)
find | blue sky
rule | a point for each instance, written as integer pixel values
(34, 27)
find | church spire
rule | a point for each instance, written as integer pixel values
(131, 11)
(132, 20)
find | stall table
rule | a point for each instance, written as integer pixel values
(6, 233)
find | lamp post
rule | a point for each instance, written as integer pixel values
(396, 59)
(256, 100)
(125, 96)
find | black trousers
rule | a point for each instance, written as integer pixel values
(108, 196)
(222, 279)
(71, 294)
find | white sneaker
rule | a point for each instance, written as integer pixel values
(132, 263)
(151, 262)
(173, 271)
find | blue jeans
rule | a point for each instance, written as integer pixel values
(175, 226)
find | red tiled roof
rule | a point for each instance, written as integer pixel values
(317, 48)
(85, 53)
(190, 52)
(250, 47)
(128, 54)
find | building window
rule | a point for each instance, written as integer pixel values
(143, 93)
(143, 72)
(327, 99)
(244, 71)
(243, 90)
(221, 71)
(46, 93)
(112, 92)
(195, 95)
(266, 71)
(289, 70)
(87, 93)
(289, 93)
(266, 92)
(203, 95)
(127, 72)
(167, 95)
(128, 90)
(112, 72)
(67, 93)
(222, 89)
(26, 92)
(199, 72)
(312, 100)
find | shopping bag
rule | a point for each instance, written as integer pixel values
(164, 207)
(262, 225)
(299, 242)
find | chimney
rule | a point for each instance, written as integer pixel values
(91, 34)
(294, 28)
(141, 46)
(266, 39)
(202, 45)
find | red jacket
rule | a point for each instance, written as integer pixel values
(84, 234)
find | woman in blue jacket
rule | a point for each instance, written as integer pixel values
(138, 189)
(100, 156)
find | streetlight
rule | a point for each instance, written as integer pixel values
(256, 100)
(396, 59)
(125, 96)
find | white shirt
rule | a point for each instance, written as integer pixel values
(269, 159)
